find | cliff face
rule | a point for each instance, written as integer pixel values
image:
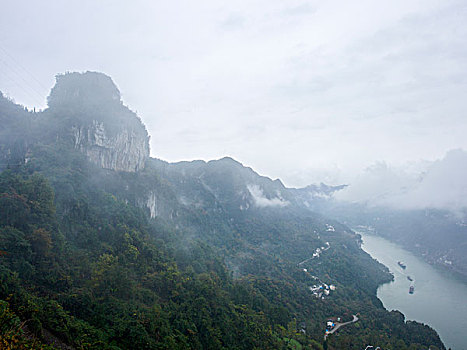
(111, 135)
(127, 150)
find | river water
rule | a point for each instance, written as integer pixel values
(439, 300)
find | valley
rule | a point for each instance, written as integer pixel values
(443, 293)
(104, 247)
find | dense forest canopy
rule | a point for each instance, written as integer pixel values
(168, 256)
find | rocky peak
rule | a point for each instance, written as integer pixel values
(86, 90)
(104, 129)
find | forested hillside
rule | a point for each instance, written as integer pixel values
(436, 235)
(102, 247)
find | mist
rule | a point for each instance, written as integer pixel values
(304, 91)
(204, 174)
(262, 201)
(441, 184)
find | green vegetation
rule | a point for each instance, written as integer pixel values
(83, 263)
(123, 290)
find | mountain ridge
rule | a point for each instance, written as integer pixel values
(185, 255)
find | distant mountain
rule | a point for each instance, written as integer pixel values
(103, 247)
(439, 184)
(426, 213)
(439, 236)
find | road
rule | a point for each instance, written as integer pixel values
(339, 325)
(321, 251)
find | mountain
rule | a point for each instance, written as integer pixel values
(103, 247)
(439, 236)
(424, 212)
(15, 124)
(85, 111)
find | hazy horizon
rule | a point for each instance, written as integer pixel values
(306, 92)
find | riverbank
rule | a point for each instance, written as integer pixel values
(438, 300)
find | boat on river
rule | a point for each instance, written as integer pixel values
(401, 264)
(410, 278)
(411, 289)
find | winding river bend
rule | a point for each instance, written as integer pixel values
(439, 300)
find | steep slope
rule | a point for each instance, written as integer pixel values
(104, 252)
(109, 133)
(15, 126)
(85, 111)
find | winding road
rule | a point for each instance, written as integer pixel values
(321, 251)
(339, 325)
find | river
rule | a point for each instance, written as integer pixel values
(439, 300)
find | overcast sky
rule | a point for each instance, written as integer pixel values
(306, 91)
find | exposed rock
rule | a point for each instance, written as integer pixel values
(125, 151)
(109, 133)
(151, 204)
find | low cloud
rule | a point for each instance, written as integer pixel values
(262, 201)
(441, 185)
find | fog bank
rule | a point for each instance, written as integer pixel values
(441, 184)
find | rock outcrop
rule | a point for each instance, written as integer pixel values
(110, 134)
(127, 150)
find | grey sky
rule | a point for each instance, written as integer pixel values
(302, 90)
(441, 184)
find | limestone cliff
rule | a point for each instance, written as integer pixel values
(88, 105)
(126, 150)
